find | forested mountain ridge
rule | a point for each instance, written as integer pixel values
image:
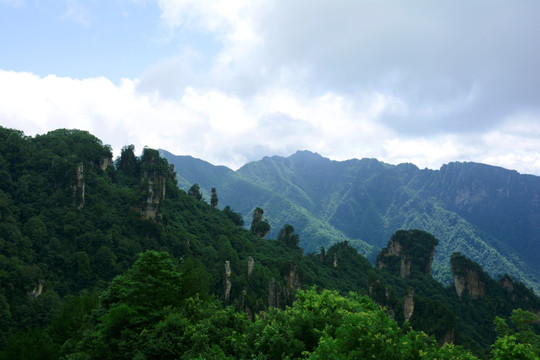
(488, 213)
(110, 259)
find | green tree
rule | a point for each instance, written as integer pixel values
(128, 162)
(297, 330)
(236, 218)
(153, 282)
(146, 295)
(68, 325)
(288, 236)
(259, 227)
(29, 345)
(521, 343)
(195, 191)
(327, 325)
(214, 198)
(5, 320)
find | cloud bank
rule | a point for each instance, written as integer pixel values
(420, 81)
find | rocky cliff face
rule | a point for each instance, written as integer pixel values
(407, 251)
(470, 282)
(78, 187)
(228, 283)
(154, 175)
(292, 279)
(155, 193)
(501, 202)
(408, 304)
(274, 294)
(105, 162)
(507, 283)
(251, 266)
(405, 267)
(520, 294)
(468, 276)
(37, 290)
(282, 294)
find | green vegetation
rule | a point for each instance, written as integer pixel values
(103, 259)
(520, 342)
(485, 212)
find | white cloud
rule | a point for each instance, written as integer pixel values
(458, 66)
(426, 152)
(205, 123)
(514, 144)
(226, 129)
(417, 82)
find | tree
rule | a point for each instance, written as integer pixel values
(29, 345)
(213, 198)
(327, 325)
(288, 236)
(195, 191)
(5, 320)
(259, 227)
(128, 162)
(153, 282)
(235, 217)
(521, 343)
(133, 302)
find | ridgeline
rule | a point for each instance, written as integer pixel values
(110, 259)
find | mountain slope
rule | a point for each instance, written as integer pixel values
(488, 213)
(244, 195)
(71, 219)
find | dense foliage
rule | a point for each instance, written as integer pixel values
(112, 260)
(154, 312)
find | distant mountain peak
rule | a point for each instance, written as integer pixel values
(307, 153)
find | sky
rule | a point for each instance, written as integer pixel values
(232, 81)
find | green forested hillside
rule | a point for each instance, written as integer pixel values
(110, 259)
(489, 213)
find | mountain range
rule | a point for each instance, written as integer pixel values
(103, 258)
(490, 214)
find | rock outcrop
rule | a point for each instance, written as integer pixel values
(468, 277)
(155, 193)
(292, 279)
(259, 227)
(507, 283)
(105, 162)
(471, 281)
(251, 266)
(275, 294)
(281, 293)
(78, 187)
(228, 283)
(408, 250)
(520, 294)
(408, 304)
(405, 267)
(155, 172)
(37, 290)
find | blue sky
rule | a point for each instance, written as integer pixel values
(83, 39)
(231, 81)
